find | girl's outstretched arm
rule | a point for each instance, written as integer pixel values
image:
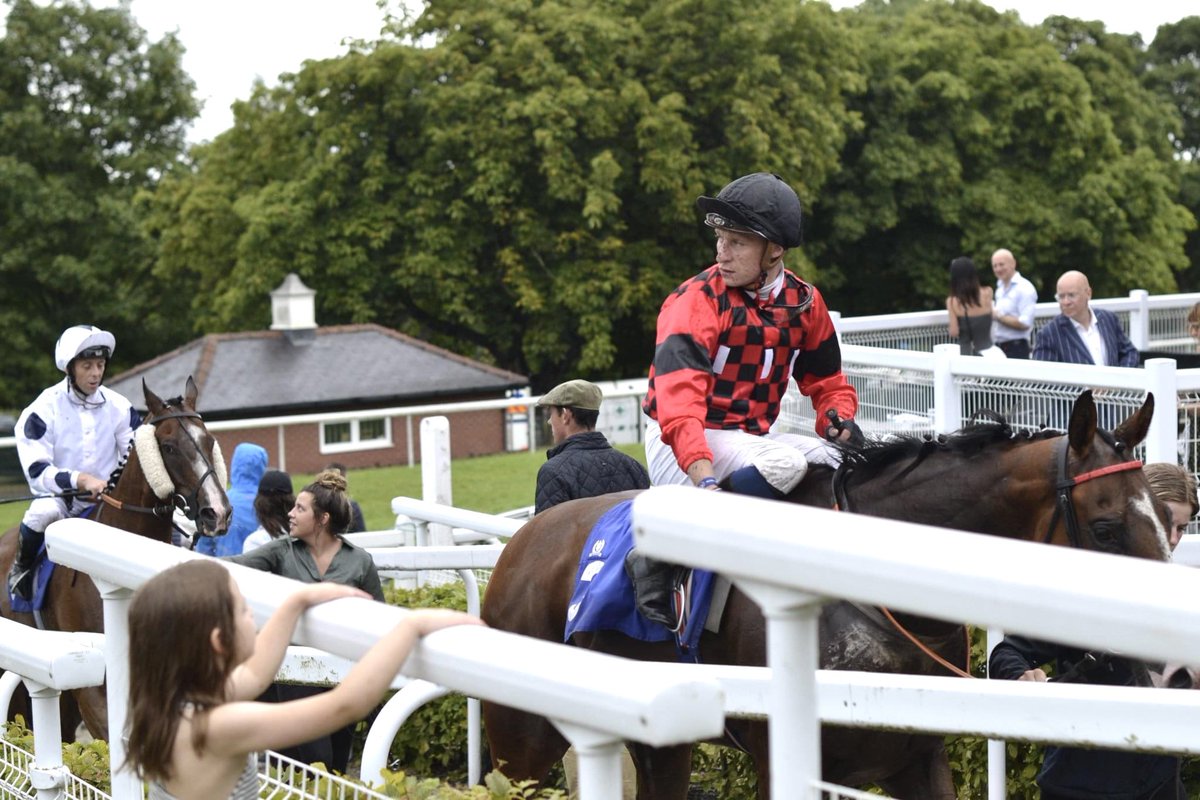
(255, 674)
(236, 728)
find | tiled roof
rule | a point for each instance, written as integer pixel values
(245, 374)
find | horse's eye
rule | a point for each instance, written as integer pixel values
(168, 449)
(1108, 534)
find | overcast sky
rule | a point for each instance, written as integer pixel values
(231, 42)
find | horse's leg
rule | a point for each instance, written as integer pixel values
(664, 773)
(927, 776)
(523, 746)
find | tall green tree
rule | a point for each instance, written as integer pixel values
(1173, 70)
(980, 132)
(90, 113)
(518, 186)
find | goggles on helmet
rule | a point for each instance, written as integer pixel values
(95, 352)
(714, 220)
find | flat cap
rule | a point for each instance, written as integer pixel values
(573, 394)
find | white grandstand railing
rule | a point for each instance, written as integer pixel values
(596, 701)
(923, 570)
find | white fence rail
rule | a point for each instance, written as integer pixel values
(597, 701)
(985, 580)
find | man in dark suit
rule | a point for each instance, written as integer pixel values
(1081, 334)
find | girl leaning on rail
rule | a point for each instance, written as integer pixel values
(196, 662)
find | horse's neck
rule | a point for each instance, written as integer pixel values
(983, 494)
(132, 489)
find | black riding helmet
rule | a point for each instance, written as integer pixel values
(761, 203)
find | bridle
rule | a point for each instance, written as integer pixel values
(189, 505)
(1064, 506)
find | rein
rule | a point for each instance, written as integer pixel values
(1064, 507)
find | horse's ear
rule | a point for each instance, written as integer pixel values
(153, 403)
(1082, 427)
(1133, 430)
(190, 393)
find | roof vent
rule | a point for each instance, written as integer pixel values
(293, 309)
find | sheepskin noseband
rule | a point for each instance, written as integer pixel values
(156, 471)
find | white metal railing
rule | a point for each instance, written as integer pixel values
(50, 663)
(597, 701)
(924, 570)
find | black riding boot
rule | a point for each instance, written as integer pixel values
(653, 587)
(20, 579)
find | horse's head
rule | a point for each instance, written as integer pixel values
(1103, 500)
(182, 460)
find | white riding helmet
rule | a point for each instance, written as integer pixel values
(83, 340)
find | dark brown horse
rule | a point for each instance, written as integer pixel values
(185, 468)
(1082, 488)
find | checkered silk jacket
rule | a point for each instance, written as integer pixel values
(723, 358)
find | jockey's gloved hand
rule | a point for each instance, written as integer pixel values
(836, 425)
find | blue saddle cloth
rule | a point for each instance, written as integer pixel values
(41, 579)
(603, 598)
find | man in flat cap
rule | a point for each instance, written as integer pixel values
(581, 463)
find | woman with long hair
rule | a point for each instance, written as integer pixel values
(196, 662)
(970, 308)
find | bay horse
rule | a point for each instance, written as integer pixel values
(174, 463)
(1081, 489)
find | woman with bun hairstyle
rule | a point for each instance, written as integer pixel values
(316, 552)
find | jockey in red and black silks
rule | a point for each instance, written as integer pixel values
(723, 359)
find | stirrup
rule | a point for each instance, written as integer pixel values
(681, 595)
(20, 582)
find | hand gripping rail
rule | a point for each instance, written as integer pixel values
(594, 698)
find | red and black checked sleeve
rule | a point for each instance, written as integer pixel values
(818, 369)
(689, 328)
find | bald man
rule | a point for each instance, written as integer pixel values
(1012, 310)
(1082, 334)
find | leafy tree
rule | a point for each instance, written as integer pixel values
(1173, 70)
(519, 186)
(980, 132)
(90, 112)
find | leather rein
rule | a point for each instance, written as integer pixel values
(188, 505)
(1064, 508)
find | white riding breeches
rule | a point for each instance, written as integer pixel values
(45, 510)
(781, 458)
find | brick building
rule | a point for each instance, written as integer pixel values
(324, 386)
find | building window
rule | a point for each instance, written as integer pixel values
(356, 434)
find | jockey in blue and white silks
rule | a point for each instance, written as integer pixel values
(70, 438)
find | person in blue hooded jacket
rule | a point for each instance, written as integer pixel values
(245, 471)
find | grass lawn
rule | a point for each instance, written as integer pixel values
(490, 484)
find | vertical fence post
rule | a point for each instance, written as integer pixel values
(435, 472)
(947, 402)
(997, 775)
(47, 773)
(1139, 319)
(1161, 441)
(125, 784)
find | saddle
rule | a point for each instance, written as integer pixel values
(603, 598)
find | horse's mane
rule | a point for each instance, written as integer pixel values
(871, 458)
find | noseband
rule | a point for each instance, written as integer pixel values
(1064, 507)
(190, 505)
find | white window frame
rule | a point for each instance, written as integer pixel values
(356, 442)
